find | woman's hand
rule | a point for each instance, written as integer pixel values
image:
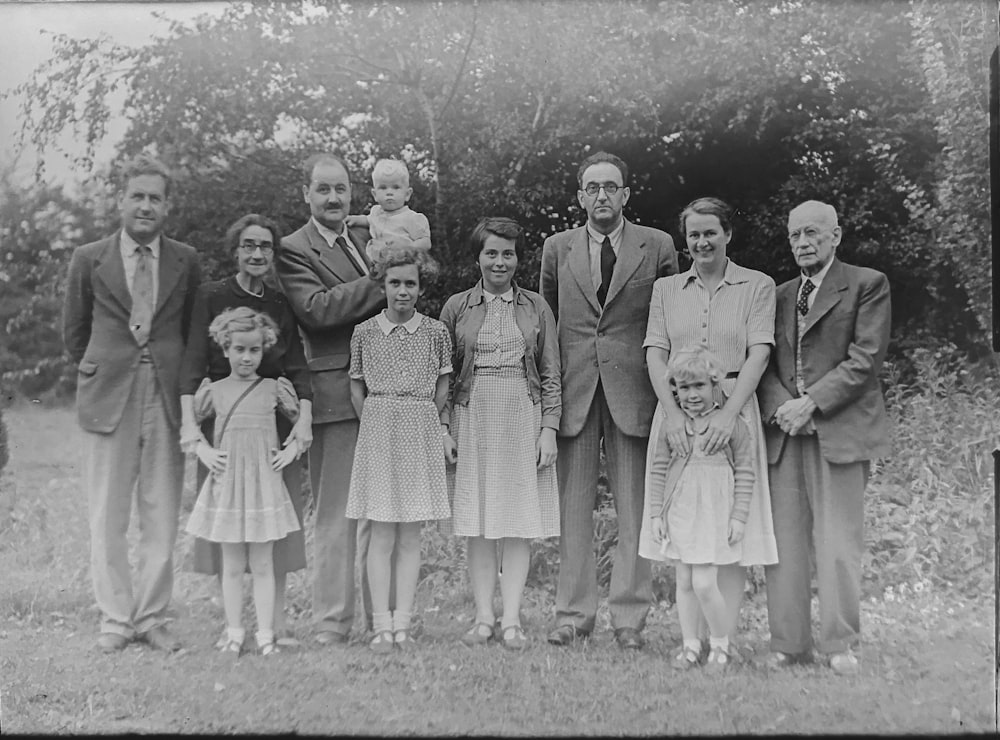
(546, 450)
(450, 448)
(301, 434)
(281, 459)
(658, 529)
(736, 528)
(673, 423)
(211, 458)
(720, 431)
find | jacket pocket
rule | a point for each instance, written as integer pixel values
(329, 362)
(87, 367)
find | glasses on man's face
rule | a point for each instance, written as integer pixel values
(610, 188)
(249, 247)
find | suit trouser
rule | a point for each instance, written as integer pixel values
(143, 455)
(336, 539)
(818, 503)
(631, 589)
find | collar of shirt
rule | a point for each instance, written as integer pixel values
(387, 326)
(129, 245)
(596, 239)
(689, 421)
(329, 235)
(816, 279)
(508, 296)
(733, 274)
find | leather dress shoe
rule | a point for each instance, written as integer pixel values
(778, 659)
(629, 638)
(111, 642)
(159, 639)
(329, 637)
(565, 634)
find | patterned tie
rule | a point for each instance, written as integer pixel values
(342, 243)
(142, 296)
(808, 286)
(607, 269)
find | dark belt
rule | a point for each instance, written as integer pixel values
(146, 356)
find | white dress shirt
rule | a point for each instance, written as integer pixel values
(330, 237)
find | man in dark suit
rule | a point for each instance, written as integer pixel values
(826, 420)
(598, 280)
(125, 320)
(323, 270)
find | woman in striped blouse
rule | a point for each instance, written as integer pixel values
(729, 310)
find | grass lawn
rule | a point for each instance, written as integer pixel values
(928, 662)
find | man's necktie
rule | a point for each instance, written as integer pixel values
(808, 286)
(141, 317)
(607, 269)
(342, 242)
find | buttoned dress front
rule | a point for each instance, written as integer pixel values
(738, 315)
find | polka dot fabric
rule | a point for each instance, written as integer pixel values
(399, 469)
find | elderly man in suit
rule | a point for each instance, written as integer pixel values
(324, 270)
(826, 420)
(598, 280)
(125, 319)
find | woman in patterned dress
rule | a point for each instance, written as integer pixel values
(729, 310)
(503, 413)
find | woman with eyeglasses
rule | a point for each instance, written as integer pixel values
(252, 241)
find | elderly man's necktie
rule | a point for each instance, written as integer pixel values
(141, 318)
(607, 269)
(808, 286)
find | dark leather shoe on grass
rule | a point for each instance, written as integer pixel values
(329, 637)
(565, 634)
(783, 660)
(629, 638)
(159, 639)
(111, 642)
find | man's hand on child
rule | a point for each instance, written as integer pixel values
(284, 457)
(211, 458)
(736, 528)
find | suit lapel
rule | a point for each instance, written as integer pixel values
(828, 295)
(332, 258)
(110, 270)
(629, 258)
(785, 310)
(170, 272)
(578, 261)
(358, 240)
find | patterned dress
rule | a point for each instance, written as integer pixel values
(737, 316)
(498, 490)
(248, 502)
(398, 473)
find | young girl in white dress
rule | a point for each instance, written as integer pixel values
(244, 505)
(700, 503)
(400, 364)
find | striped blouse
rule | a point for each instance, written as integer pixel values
(739, 315)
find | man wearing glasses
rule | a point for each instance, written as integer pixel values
(598, 280)
(324, 270)
(824, 421)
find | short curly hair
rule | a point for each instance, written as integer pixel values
(240, 319)
(694, 362)
(427, 266)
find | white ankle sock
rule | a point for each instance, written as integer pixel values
(236, 634)
(400, 620)
(721, 643)
(264, 637)
(381, 622)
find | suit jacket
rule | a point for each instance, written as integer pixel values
(329, 299)
(96, 328)
(844, 342)
(606, 344)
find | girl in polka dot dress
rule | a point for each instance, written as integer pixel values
(400, 364)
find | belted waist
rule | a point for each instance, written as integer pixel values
(146, 356)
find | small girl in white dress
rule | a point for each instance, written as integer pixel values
(244, 505)
(700, 503)
(400, 365)
(390, 220)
